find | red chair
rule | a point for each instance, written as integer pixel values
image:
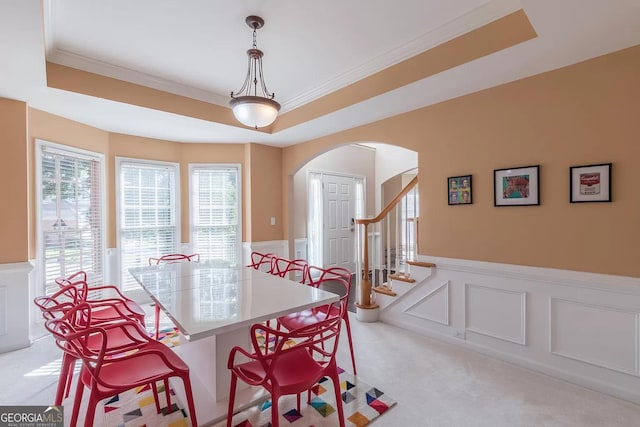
(54, 307)
(107, 371)
(282, 267)
(336, 279)
(262, 262)
(289, 370)
(169, 259)
(109, 293)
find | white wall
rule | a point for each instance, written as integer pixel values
(580, 327)
(353, 160)
(390, 161)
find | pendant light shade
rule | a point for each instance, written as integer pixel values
(248, 106)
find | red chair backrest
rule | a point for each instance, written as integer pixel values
(318, 341)
(282, 267)
(79, 280)
(171, 258)
(263, 262)
(56, 305)
(80, 276)
(333, 279)
(73, 338)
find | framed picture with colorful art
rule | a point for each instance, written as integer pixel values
(459, 190)
(590, 183)
(518, 186)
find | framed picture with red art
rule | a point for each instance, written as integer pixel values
(519, 186)
(590, 183)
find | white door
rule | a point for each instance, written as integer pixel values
(339, 211)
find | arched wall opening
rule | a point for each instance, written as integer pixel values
(373, 162)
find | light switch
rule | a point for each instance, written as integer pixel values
(273, 220)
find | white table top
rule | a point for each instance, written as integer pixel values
(204, 300)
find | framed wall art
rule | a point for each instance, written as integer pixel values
(590, 183)
(459, 190)
(518, 186)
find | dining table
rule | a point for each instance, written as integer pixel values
(213, 305)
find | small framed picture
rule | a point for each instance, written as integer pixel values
(459, 190)
(590, 183)
(516, 186)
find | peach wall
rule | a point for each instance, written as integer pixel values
(582, 114)
(14, 224)
(74, 80)
(264, 164)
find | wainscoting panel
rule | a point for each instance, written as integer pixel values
(433, 306)
(278, 247)
(600, 335)
(15, 303)
(497, 313)
(576, 326)
(4, 310)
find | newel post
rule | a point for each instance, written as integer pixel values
(365, 310)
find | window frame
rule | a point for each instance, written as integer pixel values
(119, 161)
(40, 146)
(192, 224)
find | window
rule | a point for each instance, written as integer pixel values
(215, 213)
(359, 192)
(70, 214)
(315, 219)
(147, 214)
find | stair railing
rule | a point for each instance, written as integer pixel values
(372, 265)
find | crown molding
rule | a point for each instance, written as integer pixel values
(465, 23)
(476, 18)
(81, 62)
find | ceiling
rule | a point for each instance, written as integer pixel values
(319, 57)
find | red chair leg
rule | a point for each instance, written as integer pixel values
(76, 403)
(338, 393)
(64, 381)
(157, 320)
(167, 394)
(70, 369)
(232, 397)
(192, 407)
(275, 419)
(353, 357)
(91, 410)
(156, 398)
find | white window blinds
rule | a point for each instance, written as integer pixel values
(71, 225)
(148, 223)
(215, 213)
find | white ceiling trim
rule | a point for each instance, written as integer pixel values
(476, 18)
(81, 62)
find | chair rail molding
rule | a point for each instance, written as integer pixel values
(279, 247)
(577, 326)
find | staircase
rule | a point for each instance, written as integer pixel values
(387, 247)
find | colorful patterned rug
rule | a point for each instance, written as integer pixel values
(362, 403)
